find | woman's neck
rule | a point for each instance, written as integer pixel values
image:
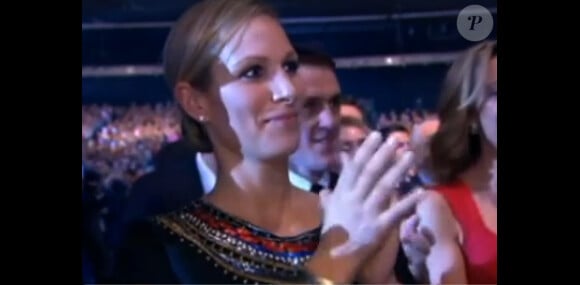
(253, 183)
(479, 175)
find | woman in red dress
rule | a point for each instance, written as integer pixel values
(462, 210)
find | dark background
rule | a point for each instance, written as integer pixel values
(121, 32)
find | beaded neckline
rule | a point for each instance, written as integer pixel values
(244, 250)
(206, 206)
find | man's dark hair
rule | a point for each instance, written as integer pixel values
(351, 101)
(387, 131)
(314, 57)
(352, 122)
(364, 107)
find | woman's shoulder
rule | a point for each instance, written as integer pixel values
(177, 247)
(456, 185)
(433, 201)
(436, 215)
(142, 257)
(454, 194)
(179, 222)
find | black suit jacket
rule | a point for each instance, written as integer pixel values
(93, 250)
(174, 183)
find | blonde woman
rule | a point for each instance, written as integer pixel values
(233, 72)
(461, 212)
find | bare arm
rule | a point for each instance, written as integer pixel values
(445, 261)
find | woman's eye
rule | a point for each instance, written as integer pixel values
(253, 72)
(291, 66)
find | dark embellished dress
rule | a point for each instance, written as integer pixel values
(201, 244)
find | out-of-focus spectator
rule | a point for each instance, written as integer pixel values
(356, 108)
(124, 139)
(352, 134)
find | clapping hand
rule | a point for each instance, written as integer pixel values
(357, 216)
(416, 245)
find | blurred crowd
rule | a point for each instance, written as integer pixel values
(120, 142)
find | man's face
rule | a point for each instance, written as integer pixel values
(319, 119)
(351, 137)
(352, 112)
(403, 138)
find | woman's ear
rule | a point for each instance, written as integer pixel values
(193, 101)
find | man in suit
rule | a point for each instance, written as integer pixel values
(315, 163)
(317, 155)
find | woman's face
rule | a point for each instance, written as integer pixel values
(488, 114)
(256, 66)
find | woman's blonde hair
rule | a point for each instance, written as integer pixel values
(457, 143)
(195, 42)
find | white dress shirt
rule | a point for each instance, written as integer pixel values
(208, 177)
(299, 181)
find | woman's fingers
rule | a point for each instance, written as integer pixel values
(409, 227)
(393, 216)
(375, 167)
(324, 198)
(387, 185)
(353, 167)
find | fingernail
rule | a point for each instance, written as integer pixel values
(375, 135)
(418, 189)
(392, 141)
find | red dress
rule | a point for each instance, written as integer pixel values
(479, 243)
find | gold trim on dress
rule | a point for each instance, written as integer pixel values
(189, 228)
